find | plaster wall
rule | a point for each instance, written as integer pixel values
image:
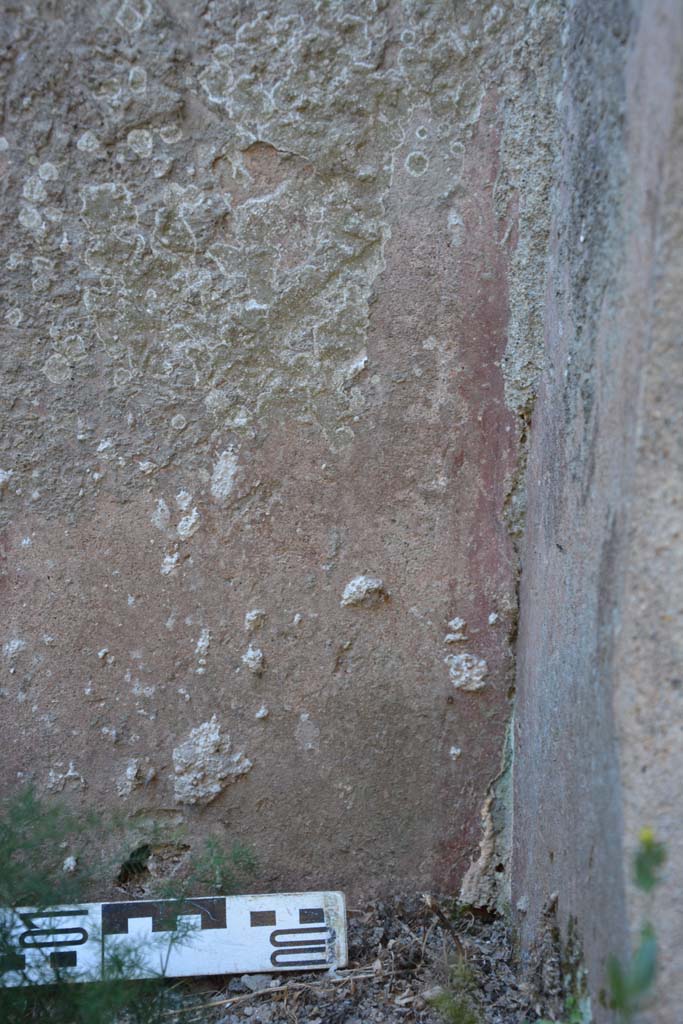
(273, 288)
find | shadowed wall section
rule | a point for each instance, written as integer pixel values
(598, 714)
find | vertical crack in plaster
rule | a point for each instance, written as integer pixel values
(487, 880)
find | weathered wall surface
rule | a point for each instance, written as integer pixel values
(269, 327)
(598, 717)
(649, 650)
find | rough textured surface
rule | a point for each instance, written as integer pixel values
(263, 267)
(204, 766)
(597, 739)
(649, 649)
(273, 327)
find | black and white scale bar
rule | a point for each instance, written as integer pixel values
(170, 938)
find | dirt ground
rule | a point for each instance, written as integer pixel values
(411, 960)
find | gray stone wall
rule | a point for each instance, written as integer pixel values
(598, 715)
(649, 648)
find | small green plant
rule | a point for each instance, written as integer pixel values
(220, 870)
(630, 984)
(34, 836)
(454, 1002)
(649, 859)
(215, 869)
(572, 1008)
(34, 839)
(575, 1014)
(455, 1008)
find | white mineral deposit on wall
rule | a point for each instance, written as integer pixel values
(363, 590)
(254, 660)
(204, 764)
(467, 671)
